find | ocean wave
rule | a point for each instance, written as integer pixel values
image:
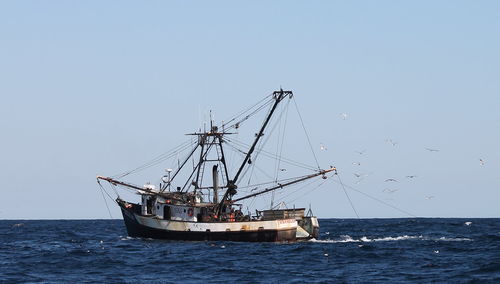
(364, 239)
(454, 239)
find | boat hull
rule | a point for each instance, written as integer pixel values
(151, 227)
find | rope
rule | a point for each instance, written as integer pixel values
(258, 148)
(308, 192)
(270, 155)
(299, 189)
(305, 131)
(348, 198)
(383, 202)
(237, 124)
(158, 159)
(104, 198)
(282, 141)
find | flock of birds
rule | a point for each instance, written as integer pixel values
(388, 189)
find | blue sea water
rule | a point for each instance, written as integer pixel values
(349, 251)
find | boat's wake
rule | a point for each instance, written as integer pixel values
(349, 239)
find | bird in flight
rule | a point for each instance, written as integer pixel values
(322, 147)
(360, 152)
(390, 141)
(412, 176)
(360, 175)
(429, 197)
(391, 179)
(432, 150)
(481, 161)
(356, 163)
(389, 190)
(343, 115)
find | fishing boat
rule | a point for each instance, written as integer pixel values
(193, 209)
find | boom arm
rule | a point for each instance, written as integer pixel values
(286, 184)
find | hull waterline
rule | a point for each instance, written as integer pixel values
(136, 229)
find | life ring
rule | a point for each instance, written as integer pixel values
(190, 212)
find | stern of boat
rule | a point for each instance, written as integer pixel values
(308, 228)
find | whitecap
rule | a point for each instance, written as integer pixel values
(468, 223)
(398, 238)
(387, 239)
(364, 239)
(347, 239)
(454, 239)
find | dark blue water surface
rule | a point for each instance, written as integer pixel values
(367, 250)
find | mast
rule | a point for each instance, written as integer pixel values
(231, 184)
(278, 96)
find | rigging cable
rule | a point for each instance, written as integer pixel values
(308, 192)
(237, 124)
(272, 156)
(158, 159)
(104, 198)
(347, 195)
(258, 147)
(305, 131)
(282, 136)
(376, 199)
(289, 194)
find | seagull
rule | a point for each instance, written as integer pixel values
(429, 197)
(322, 147)
(359, 180)
(389, 190)
(391, 179)
(283, 170)
(432, 150)
(391, 142)
(360, 177)
(356, 163)
(481, 161)
(412, 176)
(360, 152)
(343, 115)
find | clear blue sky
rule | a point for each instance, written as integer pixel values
(97, 87)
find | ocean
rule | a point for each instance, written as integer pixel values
(419, 250)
